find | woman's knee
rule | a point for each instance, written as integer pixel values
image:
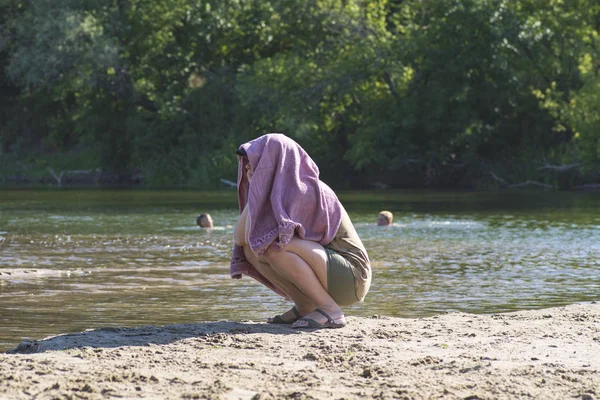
(252, 257)
(271, 254)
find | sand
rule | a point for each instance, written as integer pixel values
(543, 354)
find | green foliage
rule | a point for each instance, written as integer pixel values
(398, 92)
(584, 115)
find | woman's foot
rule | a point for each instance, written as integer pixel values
(319, 319)
(288, 317)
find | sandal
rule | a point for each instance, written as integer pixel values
(278, 319)
(312, 324)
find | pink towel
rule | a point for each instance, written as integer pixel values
(284, 198)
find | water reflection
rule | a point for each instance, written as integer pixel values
(71, 261)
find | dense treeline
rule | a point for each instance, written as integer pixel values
(402, 93)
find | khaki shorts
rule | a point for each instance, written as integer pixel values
(340, 279)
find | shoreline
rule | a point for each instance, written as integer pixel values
(551, 353)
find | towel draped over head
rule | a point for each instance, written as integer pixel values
(285, 198)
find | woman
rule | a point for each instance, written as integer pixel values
(294, 236)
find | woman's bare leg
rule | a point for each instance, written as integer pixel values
(303, 304)
(304, 264)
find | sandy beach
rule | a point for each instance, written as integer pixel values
(543, 354)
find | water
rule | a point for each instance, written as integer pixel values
(74, 260)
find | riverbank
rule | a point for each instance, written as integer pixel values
(22, 174)
(551, 354)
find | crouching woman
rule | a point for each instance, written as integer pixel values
(294, 235)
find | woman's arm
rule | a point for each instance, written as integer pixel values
(241, 227)
(247, 227)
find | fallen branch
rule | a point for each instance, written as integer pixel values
(59, 177)
(588, 186)
(232, 184)
(560, 168)
(521, 184)
(496, 177)
(535, 183)
(380, 185)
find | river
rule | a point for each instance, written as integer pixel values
(72, 260)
